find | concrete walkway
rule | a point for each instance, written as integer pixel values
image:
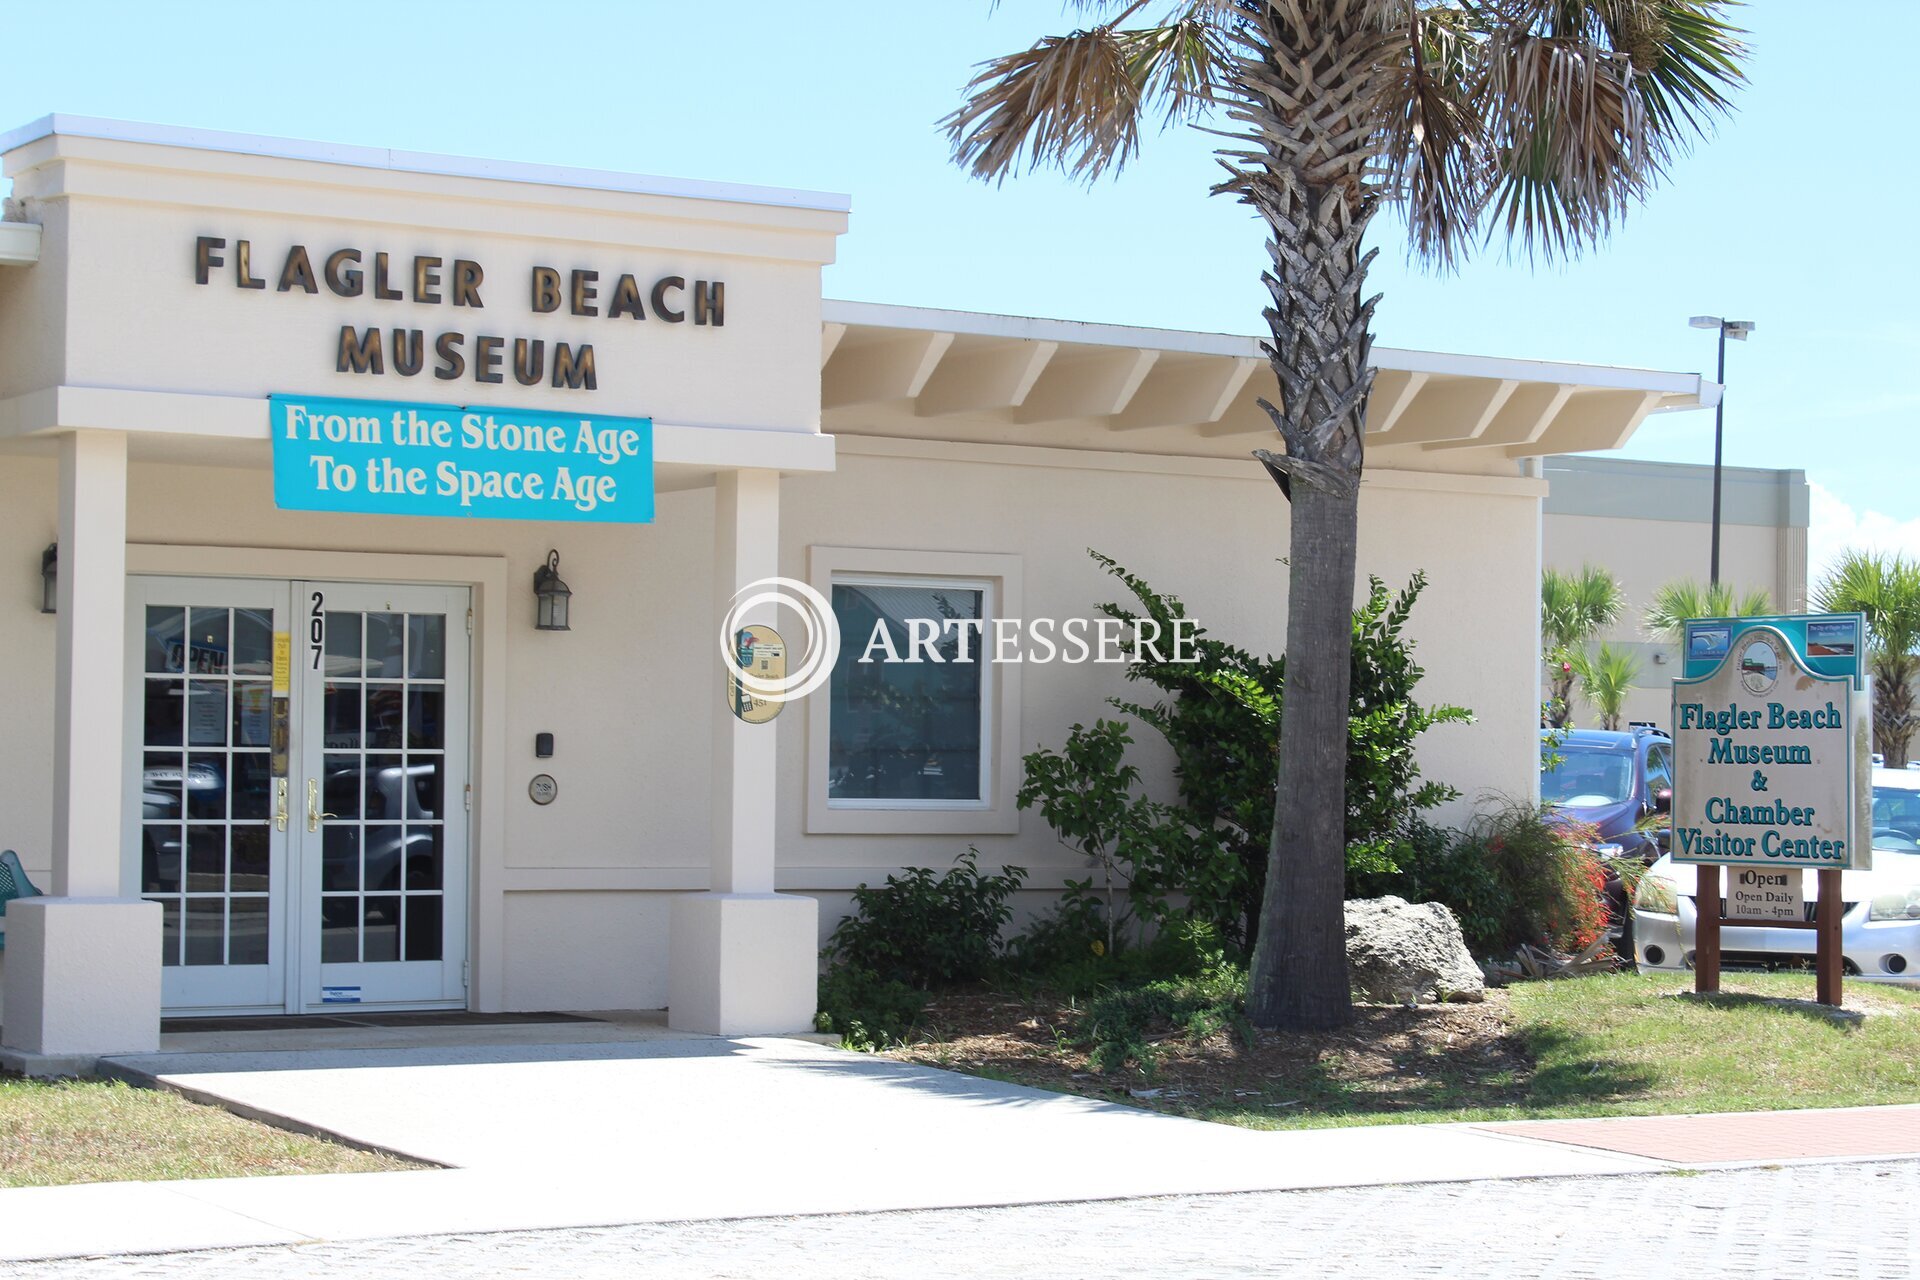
(672, 1129)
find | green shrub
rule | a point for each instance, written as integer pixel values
(866, 1011)
(1439, 865)
(1095, 803)
(1072, 933)
(1121, 1026)
(1222, 719)
(1182, 948)
(926, 931)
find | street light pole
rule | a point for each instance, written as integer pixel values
(1719, 433)
(1738, 331)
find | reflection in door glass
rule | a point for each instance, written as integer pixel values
(343, 645)
(166, 638)
(252, 642)
(205, 842)
(426, 646)
(385, 766)
(386, 646)
(209, 647)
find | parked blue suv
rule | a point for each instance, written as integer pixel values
(1611, 781)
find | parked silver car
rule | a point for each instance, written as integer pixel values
(1879, 924)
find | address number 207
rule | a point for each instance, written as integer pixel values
(317, 628)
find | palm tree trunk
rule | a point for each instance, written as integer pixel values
(1560, 705)
(1299, 974)
(1305, 172)
(1893, 707)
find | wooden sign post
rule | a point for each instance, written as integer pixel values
(1771, 724)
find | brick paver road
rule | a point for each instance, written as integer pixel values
(1854, 1220)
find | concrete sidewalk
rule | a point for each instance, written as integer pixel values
(685, 1129)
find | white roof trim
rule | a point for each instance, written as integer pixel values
(417, 162)
(19, 244)
(987, 324)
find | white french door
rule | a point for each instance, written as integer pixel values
(297, 791)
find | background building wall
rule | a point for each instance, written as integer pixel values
(1649, 523)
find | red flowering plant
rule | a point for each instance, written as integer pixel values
(1555, 884)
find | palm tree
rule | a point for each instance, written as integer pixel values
(1537, 121)
(1886, 589)
(1607, 676)
(1573, 609)
(1674, 602)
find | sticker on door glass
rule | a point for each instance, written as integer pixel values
(339, 995)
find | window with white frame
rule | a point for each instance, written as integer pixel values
(910, 707)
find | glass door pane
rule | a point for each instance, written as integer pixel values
(385, 867)
(205, 844)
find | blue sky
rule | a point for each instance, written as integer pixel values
(1796, 215)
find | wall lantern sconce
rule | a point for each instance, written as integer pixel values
(50, 578)
(551, 596)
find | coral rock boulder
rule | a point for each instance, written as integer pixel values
(1400, 952)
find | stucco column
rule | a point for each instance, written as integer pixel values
(741, 958)
(746, 549)
(89, 664)
(83, 965)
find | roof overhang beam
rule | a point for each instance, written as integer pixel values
(985, 379)
(890, 368)
(1188, 394)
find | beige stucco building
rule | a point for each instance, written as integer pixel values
(1650, 523)
(271, 758)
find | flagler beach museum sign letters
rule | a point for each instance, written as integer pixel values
(461, 285)
(1770, 744)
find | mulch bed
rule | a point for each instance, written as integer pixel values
(1390, 1058)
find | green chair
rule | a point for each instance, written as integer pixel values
(13, 884)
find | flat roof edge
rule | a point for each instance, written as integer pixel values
(1587, 462)
(991, 324)
(417, 162)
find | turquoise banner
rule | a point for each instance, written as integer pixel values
(380, 457)
(1829, 644)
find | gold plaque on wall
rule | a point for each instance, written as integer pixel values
(759, 652)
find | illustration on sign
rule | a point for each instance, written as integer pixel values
(383, 458)
(1709, 644)
(1832, 639)
(1770, 752)
(759, 650)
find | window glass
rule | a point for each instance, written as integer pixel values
(907, 730)
(1584, 778)
(1659, 769)
(1897, 809)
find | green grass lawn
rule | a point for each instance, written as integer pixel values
(88, 1131)
(1626, 1044)
(1608, 1045)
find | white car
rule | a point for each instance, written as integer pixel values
(1879, 925)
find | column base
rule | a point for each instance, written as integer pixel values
(82, 977)
(742, 964)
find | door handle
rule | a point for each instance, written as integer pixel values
(313, 805)
(280, 804)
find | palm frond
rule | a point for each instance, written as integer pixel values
(1683, 598)
(1886, 588)
(1432, 153)
(1077, 101)
(1575, 606)
(1607, 676)
(1585, 104)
